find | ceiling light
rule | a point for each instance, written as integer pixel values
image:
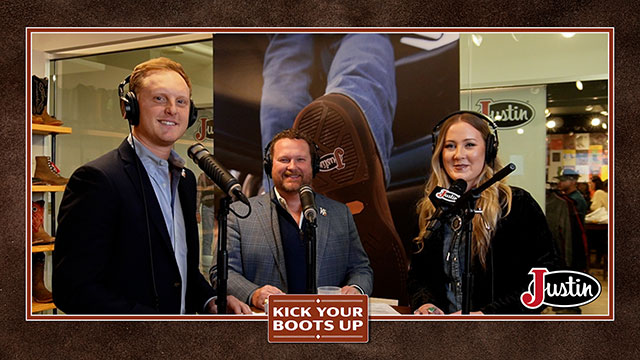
(579, 85)
(588, 108)
(547, 113)
(604, 125)
(477, 39)
(551, 124)
(520, 131)
(604, 113)
(595, 121)
(568, 35)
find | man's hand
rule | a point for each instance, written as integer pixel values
(349, 290)
(260, 296)
(234, 306)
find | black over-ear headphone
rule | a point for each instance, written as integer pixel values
(131, 110)
(267, 161)
(491, 142)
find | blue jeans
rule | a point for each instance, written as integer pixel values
(360, 66)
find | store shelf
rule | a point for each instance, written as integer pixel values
(38, 307)
(42, 248)
(48, 129)
(47, 188)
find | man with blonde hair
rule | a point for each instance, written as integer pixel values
(128, 237)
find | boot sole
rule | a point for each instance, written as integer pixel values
(351, 172)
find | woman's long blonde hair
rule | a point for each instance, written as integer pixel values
(492, 201)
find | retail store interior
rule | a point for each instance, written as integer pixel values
(563, 78)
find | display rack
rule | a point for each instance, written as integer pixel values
(53, 131)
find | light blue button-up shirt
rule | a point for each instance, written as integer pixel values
(164, 179)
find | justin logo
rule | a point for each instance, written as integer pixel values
(332, 161)
(507, 113)
(564, 288)
(205, 130)
(447, 195)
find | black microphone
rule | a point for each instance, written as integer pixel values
(227, 182)
(308, 202)
(443, 199)
(475, 193)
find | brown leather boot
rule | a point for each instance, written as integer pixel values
(50, 120)
(39, 94)
(351, 172)
(48, 172)
(40, 292)
(36, 119)
(39, 235)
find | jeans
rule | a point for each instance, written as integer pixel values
(360, 66)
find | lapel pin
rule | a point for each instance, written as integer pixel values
(184, 174)
(323, 211)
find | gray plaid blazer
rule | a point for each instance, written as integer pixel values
(256, 257)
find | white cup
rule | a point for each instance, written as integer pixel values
(328, 290)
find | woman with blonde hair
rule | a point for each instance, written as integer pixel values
(509, 237)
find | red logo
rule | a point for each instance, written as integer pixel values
(447, 195)
(564, 288)
(205, 130)
(507, 113)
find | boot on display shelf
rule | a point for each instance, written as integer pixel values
(48, 172)
(39, 235)
(37, 181)
(39, 93)
(40, 292)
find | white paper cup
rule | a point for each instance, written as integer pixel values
(328, 290)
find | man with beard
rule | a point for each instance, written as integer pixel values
(267, 249)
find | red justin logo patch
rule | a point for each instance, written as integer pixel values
(564, 288)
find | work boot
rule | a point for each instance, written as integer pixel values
(39, 94)
(40, 292)
(39, 235)
(37, 181)
(48, 172)
(351, 172)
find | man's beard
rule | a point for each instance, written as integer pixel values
(289, 187)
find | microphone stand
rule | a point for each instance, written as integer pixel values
(468, 213)
(311, 256)
(467, 276)
(223, 256)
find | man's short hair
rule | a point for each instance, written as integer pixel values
(294, 135)
(142, 70)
